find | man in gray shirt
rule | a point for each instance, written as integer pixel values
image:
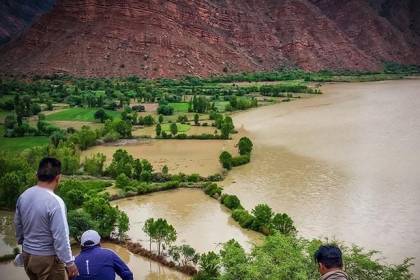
(42, 229)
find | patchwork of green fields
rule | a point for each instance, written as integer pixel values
(182, 128)
(180, 107)
(78, 114)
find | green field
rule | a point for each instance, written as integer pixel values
(179, 107)
(78, 114)
(182, 128)
(21, 143)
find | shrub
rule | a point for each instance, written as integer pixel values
(122, 181)
(243, 217)
(165, 110)
(111, 136)
(95, 165)
(225, 159)
(241, 160)
(213, 190)
(244, 146)
(231, 201)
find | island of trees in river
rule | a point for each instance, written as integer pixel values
(61, 116)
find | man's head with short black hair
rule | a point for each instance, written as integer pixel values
(329, 257)
(48, 170)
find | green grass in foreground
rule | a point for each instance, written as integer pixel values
(180, 107)
(78, 114)
(182, 128)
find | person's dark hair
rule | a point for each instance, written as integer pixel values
(330, 256)
(48, 169)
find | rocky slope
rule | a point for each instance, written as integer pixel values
(155, 38)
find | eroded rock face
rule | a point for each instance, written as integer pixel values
(156, 38)
(17, 15)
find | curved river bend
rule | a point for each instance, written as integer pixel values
(344, 164)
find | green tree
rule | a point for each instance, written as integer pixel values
(101, 211)
(123, 128)
(225, 159)
(245, 146)
(196, 119)
(95, 164)
(69, 157)
(123, 225)
(174, 128)
(10, 121)
(35, 108)
(235, 261)
(122, 181)
(122, 162)
(263, 215)
(101, 115)
(57, 137)
(184, 254)
(50, 106)
(283, 223)
(158, 130)
(149, 229)
(164, 233)
(231, 201)
(160, 119)
(209, 264)
(79, 222)
(148, 120)
(225, 129)
(137, 169)
(10, 188)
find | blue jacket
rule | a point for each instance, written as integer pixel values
(98, 263)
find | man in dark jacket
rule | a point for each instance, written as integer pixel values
(330, 263)
(97, 263)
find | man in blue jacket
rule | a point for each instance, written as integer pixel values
(97, 263)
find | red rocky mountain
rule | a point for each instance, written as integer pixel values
(156, 38)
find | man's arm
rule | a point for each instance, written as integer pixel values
(18, 225)
(60, 233)
(121, 268)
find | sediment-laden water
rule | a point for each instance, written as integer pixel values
(200, 221)
(344, 164)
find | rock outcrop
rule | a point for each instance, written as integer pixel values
(156, 38)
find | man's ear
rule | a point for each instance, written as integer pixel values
(321, 267)
(58, 178)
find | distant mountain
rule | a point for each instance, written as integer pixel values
(156, 38)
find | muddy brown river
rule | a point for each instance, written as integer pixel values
(344, 164)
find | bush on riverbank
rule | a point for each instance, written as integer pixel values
(213, 190)
(287, 257)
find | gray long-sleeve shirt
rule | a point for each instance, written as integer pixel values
(41, 224)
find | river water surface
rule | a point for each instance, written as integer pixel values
(344, 164)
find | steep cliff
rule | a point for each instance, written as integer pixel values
(155, 38)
